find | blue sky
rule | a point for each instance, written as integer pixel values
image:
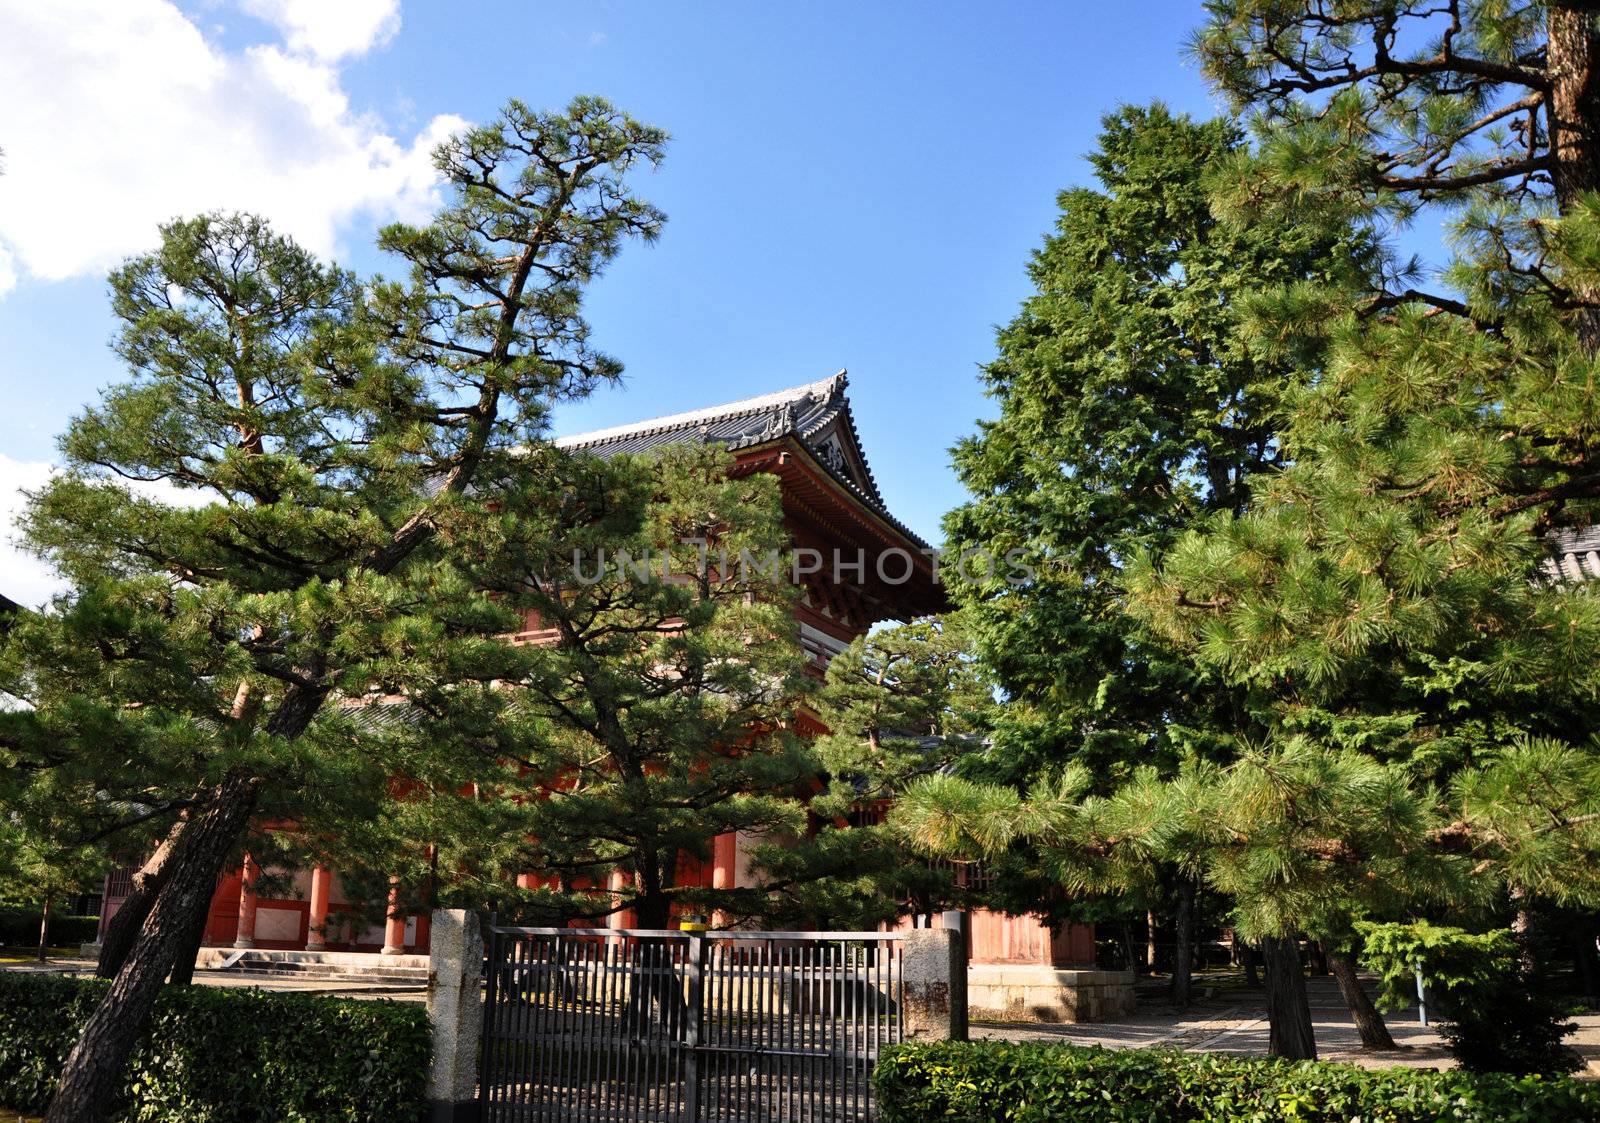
(849, 185)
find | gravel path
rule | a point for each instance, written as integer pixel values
(1233, 1019)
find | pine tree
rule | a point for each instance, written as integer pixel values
(317, 431)
(900, 703)
(1131, 407)
(1388, 592)
(652, 707)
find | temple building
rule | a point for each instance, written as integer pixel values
(807, 437)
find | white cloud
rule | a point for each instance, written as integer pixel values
(331, 29)
(23, 577)
(118, 115)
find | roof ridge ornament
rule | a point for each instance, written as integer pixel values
(781, 422)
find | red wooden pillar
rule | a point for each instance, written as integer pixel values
(724, 860)
(724, 868)
(394, 929)
(248, 902)
(321, 885)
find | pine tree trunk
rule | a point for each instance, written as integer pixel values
(1288, 1009)
(93, 1071)
(123, 928)
(1374, 1032)
(1573, 66)
(1183, 951)
(183, 968)
(44, 929)
(1150, 941)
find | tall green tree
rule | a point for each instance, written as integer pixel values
(318, 430)
(901, 703)
(652, 708)
(1388, 591)
(1131, 407)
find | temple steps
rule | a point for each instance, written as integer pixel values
(320, 966)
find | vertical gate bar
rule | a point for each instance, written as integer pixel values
(803, 1037)
(816, 1021)
(616, 1052)
(513, 1010)
(557, 1027)
(669, 1056)
(798, 1021)
(535, 1015)
(576, 1039)
(531, 1017)
(764, 1030)
(605, 1040)
(858, 1003)
(643, 953)
(639, 1027)
(838, 1075)
(590, 1031)
(713, 1031)
(715, 1027)
(617, 1102)
(694, 1002)
(540, 1018)
(808, 1012)
(819, 1008)
(747, 1061)
(569, 1040)
(783, 1026)
(680, 977)
(841, 1032)
(619, 1008)
(775, 999)
(490, 1041)
(524, 1013)
(506, 1015)
(635, 954)
(755, 1075)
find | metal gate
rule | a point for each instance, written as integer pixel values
(677, 1027)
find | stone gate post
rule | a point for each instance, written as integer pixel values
(934, 973)
(455, 962)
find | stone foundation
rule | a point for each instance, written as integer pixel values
(1006, 992)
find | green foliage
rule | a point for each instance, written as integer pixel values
(19, 928)
(1298, 836)
(1131, 404)
(214, 1055)
(308, 433)
(1451, 959)
(1387, 591)
(900, 704)
(990, 1082)
(658, 714)
(1499, 1016)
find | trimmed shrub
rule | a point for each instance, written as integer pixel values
(19, 928)
(991, 1081)
(214, 1055)
(1497, 1015)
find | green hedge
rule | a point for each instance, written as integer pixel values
(214, 1055)
(19, 928)
(990, 1081)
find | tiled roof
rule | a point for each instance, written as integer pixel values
(1576, 556)
(817, 413)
